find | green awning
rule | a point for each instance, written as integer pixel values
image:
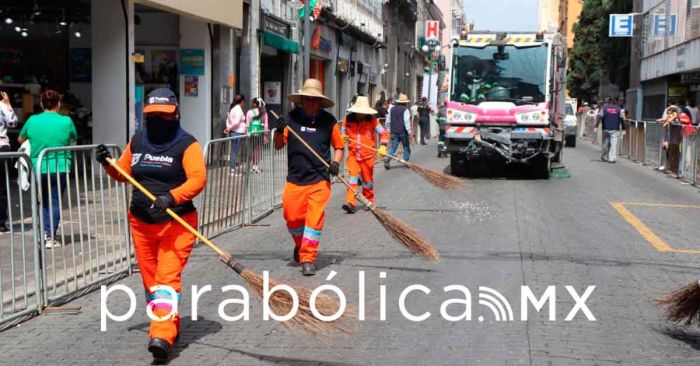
(283, 44)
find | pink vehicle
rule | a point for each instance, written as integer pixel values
(507, 101)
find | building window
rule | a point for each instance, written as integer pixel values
(695, 3)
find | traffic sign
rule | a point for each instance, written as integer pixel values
(663, 26)
(432, 30)
(621, 25)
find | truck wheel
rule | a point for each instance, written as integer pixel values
(540, 167)
(458, 164)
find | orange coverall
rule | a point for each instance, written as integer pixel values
(360, 160)
(162, 249)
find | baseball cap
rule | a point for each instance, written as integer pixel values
(161, 100)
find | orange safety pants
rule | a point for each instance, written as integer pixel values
(304, 209)
(360, 169)
(162, 251)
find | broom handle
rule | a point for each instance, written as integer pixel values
(376, 150)
(322, 160)
(223, 254)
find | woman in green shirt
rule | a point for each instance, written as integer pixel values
(46, 130)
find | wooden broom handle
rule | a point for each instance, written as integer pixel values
(200, 236)
(376, 150)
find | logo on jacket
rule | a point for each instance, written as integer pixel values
(157, 159)
(135, 159)
(307, 129)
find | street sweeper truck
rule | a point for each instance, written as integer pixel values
(506, 101)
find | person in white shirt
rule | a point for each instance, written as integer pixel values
(694, 111)
(236, 126)
(8, 119)
(398, 122)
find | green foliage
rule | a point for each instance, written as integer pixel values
(595, 55)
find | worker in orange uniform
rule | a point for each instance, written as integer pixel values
(168, 162)
(360, 127)
(308, 186)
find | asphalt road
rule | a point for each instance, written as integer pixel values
(499, 233)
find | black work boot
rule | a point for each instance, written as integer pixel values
(349, 208)
(296, 254)
(159, 348)
(308, 269)
(386, 164)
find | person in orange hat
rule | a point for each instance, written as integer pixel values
(168, 161)
(360, 127)
(308, 186)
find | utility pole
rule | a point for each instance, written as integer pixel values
(307, 41)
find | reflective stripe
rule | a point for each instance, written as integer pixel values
(353, 180)
(312, 235)
(369, 185)
(297, 231)
(163, 294)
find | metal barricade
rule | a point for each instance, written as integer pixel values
(279, 172)
(652, 143)
(625, 144)
(86, 239)
(632, 137)
(689, 151)
(20, 272)
(260, 179)
(223, 201)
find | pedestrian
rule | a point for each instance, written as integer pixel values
(360, 126)
(168, 162)
(442, 127)
(415, 119)
(612, 121)
(379, 105)
(45, 130)
(694, 111)
(8, 119)
(424, 111)
(398, 122)
(665, 131)
(397, 95)
(308, 187)
(671, 144)
(257, 125)
(236, 126)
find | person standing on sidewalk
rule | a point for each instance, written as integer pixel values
(168, 162)
(675, 123)
(8, 119)
(308, 187)
(442, 126)
(424, 112)
(398, 122)
(612, 121)
(236, 126)
(46, 130)
(257, 124)
(360, 126)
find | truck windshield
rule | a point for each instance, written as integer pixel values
(495, 73)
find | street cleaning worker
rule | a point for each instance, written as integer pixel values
(308, 186)
(398, 122)
(442, 126)
(361, 125)
(168, 161)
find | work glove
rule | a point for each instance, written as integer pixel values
(334, 168)
(345, 138)
(281, 124)
(163, 202)
(102, 154)
(382, 151)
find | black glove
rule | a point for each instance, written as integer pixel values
(281, 124)
(163, 202)
(102, 153)
(334, 168)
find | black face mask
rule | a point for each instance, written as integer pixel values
(161, 131)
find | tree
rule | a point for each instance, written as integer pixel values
(596, 56)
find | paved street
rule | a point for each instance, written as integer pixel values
(500, 233)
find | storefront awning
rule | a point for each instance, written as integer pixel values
(224, 12)
(283, 44)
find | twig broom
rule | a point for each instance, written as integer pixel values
(683, 305)
(398, 229)
(280, 301)
(438, 179)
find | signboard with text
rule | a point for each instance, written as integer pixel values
(621, 25)
(432, 30)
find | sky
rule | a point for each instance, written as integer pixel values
(502, 15)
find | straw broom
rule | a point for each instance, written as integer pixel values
(438, 179)
(683, 305)
(280, 301)
(398, 229)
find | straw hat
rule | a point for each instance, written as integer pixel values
(361, 106)
(403, 99)
(312, 88)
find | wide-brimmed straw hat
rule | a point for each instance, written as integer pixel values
(361, 106)
(403, 99)
(312, 88)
